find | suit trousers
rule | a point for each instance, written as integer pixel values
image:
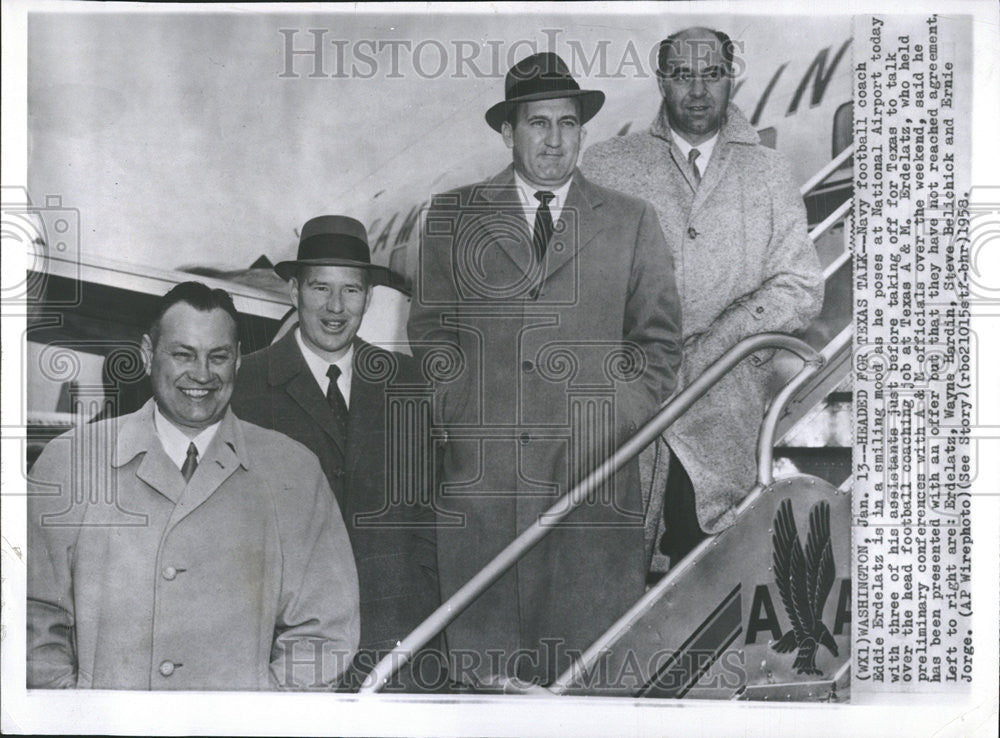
(682, 531)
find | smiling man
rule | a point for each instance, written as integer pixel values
(341, 397)
(736, 225)
(556, 300)
(180, 547)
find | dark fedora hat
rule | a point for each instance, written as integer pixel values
(542, 77)
(334, 240)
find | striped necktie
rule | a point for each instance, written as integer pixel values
(543, 224)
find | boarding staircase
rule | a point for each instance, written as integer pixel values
(814, 433)
(762, 610)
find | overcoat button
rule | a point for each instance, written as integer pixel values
(760, 309)
(169, 573)
(525, 439)
(692, 233)
(167, 668)
(527, 365)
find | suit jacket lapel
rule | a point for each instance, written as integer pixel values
(306, 393)
(508, 228)
(287, 367)
(504, 219)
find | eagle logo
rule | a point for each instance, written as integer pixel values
(804, 581)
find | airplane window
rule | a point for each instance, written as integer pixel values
(768, 137)
(843, 130)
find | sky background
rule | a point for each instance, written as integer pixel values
(180, 143)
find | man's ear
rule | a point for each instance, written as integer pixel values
(661, 83)
(239, 355)
(147, 353)
(507, 130)
(293, 290)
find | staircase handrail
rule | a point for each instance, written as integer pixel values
(646, 435)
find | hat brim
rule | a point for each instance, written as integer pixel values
(591, 101)
(377, 273)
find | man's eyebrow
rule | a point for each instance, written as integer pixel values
(312, 281)
(228, 347)
(175, 346)
(685, 69)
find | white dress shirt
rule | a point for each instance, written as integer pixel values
(704, 150)
(531, 203)
(175, 441)
(319, 366)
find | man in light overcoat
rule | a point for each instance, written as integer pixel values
(736, 225)
(553, 301)
(180, 547)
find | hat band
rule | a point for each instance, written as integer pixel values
(333, 246)
(535, 85)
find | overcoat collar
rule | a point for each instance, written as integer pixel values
(735, 128)
(736, 131)
(284, 360)
(287, 367)
(226, 452)
(580, 219)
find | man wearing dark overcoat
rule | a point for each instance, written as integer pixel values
(359, 409)
(555, 298)
(181, 547)
(736, 225)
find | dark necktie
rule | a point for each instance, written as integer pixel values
(190, 463)
(337, 402)
(543, 225)
(693, 155)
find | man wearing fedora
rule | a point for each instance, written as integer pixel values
(328, 389)
(556, 298)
